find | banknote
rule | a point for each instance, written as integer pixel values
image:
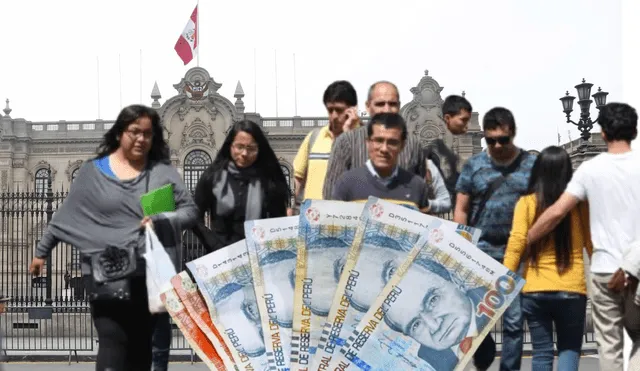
(188, 292)
(225, 281)
(385, 235)
(272, 245)
(195, 337)
(327, 229)
(435, 310)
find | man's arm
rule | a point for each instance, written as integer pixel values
(339, 162)
(461, 213)
(551, 217)
(464, 189)
(442, 201)
(341, 190)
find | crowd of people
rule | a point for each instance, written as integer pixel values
(536, 214)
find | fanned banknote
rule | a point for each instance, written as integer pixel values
(191, 298)
(272, 246)
(195, 337)
(226, 284)
(435, 310)
(327, 229)
(385, 235)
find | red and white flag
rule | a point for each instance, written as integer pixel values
(188, 40)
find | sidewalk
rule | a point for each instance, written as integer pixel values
(177, 355)
(586, 364)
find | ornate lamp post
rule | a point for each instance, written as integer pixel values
(585, 124)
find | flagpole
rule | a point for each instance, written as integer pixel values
(255, 83)
(295, 87)
(275, 58)
(98, 78)
(120, 78)
(198, 34)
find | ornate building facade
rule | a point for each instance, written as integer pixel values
(195, 121)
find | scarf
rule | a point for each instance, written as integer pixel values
(225, 198)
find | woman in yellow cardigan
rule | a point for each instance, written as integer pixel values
(555, 291)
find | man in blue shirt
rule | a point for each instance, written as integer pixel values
(488, 188)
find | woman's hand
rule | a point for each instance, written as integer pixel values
(36, 266)
(145, 221)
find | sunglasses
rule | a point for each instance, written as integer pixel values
(502, 140)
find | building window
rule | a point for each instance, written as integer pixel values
(42, 177)
(195, 164)
(74, 173)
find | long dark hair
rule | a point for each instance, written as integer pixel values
(266, 165)
(550, 175)
(111, 141)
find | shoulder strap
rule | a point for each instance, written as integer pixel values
(310, 143)
(494, 185)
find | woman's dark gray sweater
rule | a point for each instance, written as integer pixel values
(101, 211)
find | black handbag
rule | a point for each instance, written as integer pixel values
(111, 270)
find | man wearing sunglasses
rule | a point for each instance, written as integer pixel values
(488, 188)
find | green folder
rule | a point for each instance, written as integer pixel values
(158, 201)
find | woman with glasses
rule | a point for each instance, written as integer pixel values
(245, 182)
(102, 217)
(555, 291)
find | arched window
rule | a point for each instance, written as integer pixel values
(195, 164)
(73, 174)
(42, 177)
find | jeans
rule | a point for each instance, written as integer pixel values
(512, 333)
(161, 341)
(567, 312)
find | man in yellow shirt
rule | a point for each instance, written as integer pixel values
(310, 164)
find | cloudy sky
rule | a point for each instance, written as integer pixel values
(517, 54)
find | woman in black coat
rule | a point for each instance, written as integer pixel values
(245, 182)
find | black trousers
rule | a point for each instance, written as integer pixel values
(124, 329)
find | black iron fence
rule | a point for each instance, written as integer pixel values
(51, 312)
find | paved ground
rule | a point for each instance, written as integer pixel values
(586, 364)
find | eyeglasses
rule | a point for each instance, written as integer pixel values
(135, 134)
(251, 150)
(505, 139)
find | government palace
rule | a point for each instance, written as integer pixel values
(195, 120)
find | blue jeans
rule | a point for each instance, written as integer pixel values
(161, 342)
(567, 311)
(512, 332)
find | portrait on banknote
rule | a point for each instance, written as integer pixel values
(385, 235)
(272, 247)
(433, 314)
(225, 280)
(327, 229)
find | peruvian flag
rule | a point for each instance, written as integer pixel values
(188, 42)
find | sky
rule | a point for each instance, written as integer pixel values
(516, 54)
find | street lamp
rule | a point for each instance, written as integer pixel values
(585, 124)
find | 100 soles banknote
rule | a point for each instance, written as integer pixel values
(385, 235)
(327, 229)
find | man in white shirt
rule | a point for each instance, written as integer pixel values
(610, 182)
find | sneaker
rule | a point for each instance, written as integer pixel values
(4, 299)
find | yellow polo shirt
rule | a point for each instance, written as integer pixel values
(316, 161)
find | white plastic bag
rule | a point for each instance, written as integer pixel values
(160, 270)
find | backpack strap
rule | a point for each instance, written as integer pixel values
(310, 143)
(494, 185)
